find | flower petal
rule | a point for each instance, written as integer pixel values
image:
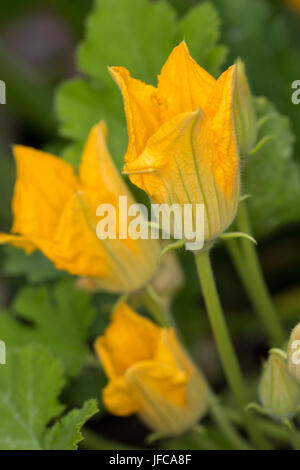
(170, 351)
(118, 398)
(183, 85)
(167, 154)
(97, 171)
(161, 394)
(43, 186)
(18, 241)
(221, 128)
(180, 157)
(141, 109)
(75, 246)
(129, 338)
(193, 159)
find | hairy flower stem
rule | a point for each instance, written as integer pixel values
(225, 347)
(245, 259)
(154, 307)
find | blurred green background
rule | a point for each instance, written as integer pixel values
(38, 53)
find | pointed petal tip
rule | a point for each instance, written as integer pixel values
(100, 128)
(182, 45)
(118, 74)
(22, 152)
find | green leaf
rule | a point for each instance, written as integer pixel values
(80, 104)
(255, 31)
(58, 318)
(35, 267)
(271, 175)
(65, 434)
(88, 384)
(201, 30)
(137, 34)
(141, 42)
(30, 384)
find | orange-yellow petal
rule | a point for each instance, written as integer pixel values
(118, 398)
(43, 186)
(129, 338)
(18, 242)
(130, 261)
(170, 351)
(180, 157)
(167, 161)
(120, 265)
(161, 394)
(141, 109)
(97, 171)
(193, 159)
(183, 85)
(75, 246)
(221, 129)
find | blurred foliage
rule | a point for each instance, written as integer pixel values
(58, 318)
(82, 102)
(71, 14)
(270, 175)
(29, 387)
(147, 37)
(35, 268)
(260, 35)
(62, 322)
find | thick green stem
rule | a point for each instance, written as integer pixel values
(224, 344)
(244, 256)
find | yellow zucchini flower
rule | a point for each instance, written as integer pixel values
(55, 211)
(150, 374)
(182, 145)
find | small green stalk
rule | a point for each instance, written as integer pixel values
(245, 259)
(225, 347)
(154, 307)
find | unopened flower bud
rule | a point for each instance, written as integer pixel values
(150, 374)
(294, 353)
(279, 393)
(245, 119)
